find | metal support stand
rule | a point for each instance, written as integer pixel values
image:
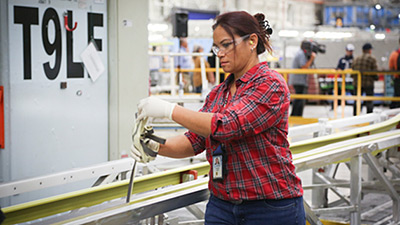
(318, 195)
(310, 215)
(355, 189)
(374, 165)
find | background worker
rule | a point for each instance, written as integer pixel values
(394, 64)
(365, 62)
(345, 62)
(303, 59)
(184, 62)
(243, 125)
(197, 81)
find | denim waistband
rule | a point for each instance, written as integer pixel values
(243, 201)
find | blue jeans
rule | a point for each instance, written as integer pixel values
(298, 104)
(266, 212)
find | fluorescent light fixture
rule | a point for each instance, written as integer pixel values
(155, 27)
(288, 33)
(380, 36)
(333, 35)
(309, 34)
(155, 37)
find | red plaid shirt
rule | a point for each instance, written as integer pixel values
(253, 126)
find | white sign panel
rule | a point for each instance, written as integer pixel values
(58, 116)
(92, 61)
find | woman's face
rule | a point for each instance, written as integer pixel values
(233, 56)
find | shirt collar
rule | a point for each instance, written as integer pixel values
(249, 74)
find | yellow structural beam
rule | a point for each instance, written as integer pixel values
(301, 120)
(328, 222)
(92, 196)
(305, 145)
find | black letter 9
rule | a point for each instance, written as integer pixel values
(51, 14)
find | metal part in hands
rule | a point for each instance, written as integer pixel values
(128, 197)
(148, 133)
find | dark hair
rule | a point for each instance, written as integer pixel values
(242, 23)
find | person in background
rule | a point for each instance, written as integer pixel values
(243, 126)
(184, 62)
(365, 62)
(155, 63)
(211, 61)
(197, 81)
(300, 81)
(346, 62)
(394, 64)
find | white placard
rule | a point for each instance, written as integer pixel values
(92, 61)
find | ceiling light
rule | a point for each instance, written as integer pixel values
(309, 34)
(372, 27)
(380, 36)
(157, 27)
(378, 7)
(155, 37)
(333, 35)
(288, 33)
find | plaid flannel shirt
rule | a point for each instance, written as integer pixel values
(253, 127)
(365, 62)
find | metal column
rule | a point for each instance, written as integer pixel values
(355, 189)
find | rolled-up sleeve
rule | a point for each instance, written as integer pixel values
(260, 108)
(197, 142)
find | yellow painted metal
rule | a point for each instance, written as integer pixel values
(332, 149)
(133, 201)
(329, 222)
(335, 97)
(301, 120)
(96, 195)
(305, 145)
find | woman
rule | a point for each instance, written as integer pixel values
(243, 126)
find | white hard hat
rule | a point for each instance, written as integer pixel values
(350, 47)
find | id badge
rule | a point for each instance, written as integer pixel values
(217, 167)
(218, 164)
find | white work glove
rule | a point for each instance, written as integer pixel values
(141, 153)
(138, 153)
(155, 107)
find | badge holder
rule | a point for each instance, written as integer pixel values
(218, 164)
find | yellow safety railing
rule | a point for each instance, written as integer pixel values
(342, 96)
(336, 95)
